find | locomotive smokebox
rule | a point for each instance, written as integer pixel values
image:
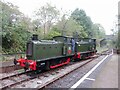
(35, 37)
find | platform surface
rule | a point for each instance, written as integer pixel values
(108, 77)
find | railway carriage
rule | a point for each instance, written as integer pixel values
(47, 54)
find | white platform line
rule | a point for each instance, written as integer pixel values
(90, 79)
(86, 75)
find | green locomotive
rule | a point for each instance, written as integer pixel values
(47, 54)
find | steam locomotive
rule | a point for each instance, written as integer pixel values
(61, 50)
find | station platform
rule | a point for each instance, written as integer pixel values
(108, 76)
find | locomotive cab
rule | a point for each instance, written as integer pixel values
(67, 44)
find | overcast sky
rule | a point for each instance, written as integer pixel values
(100, 11)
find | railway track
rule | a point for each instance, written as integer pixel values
(18, 79)
(15, 79)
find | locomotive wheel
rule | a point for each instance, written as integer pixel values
(15, 61)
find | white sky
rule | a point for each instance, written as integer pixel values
(100, 11)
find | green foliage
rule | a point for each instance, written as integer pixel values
(115, 41)
(17, 28)
(46, 17)
(52, 33)
(98, 31)
(14, 29)
(91, 30)
(82, 19)
(70, 26)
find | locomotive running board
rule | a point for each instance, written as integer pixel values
(61, 64)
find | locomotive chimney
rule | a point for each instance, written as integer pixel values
(35, 37)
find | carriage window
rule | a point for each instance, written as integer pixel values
(29, 49)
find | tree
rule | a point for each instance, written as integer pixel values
(67, 26)
(98, 31)
(47, 16)
(52, 33)
(15, 28)
(62, 24)
(85, 21)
